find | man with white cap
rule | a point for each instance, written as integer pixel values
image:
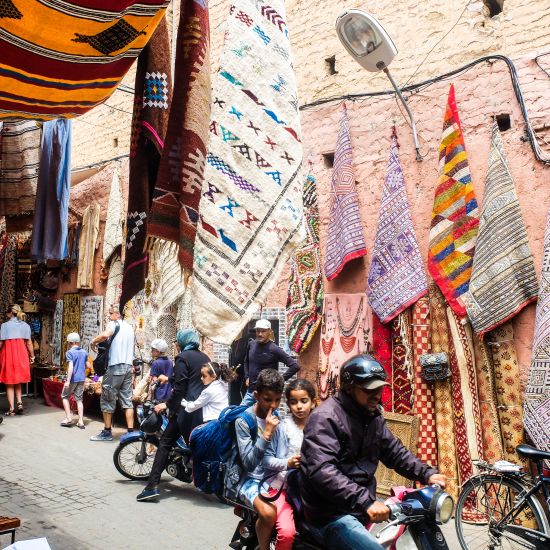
(162, 367)
(261, 354)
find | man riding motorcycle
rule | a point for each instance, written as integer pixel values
(344, 440)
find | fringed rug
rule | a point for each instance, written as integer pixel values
(251, 209)
(177, 193)
(454, 218)
(382, 350)
(503, 277)
(71, 320)
(305, 287)
(87, 247)
(402, 363)
(57, 333)
(396, 277)
(61, 59)
(113, 235)
(345, 240)
(167, 274)
(91, 320)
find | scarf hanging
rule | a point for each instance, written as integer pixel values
(305, 287)
(57, 333)
(91, 320)
(149, 122)
(87, 246)
(251, 207)
(345, 240)
(51, 215)
(7, 285)
(177, 193)
(402, 361)
(113, 235)
(382, 351)
(454, 218)
(396, 277)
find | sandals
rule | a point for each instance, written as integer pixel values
(19, 408)
(81, 426)
(66, 424)
(11, 412)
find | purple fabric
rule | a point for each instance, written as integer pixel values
(165, 366)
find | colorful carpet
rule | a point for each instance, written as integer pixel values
(91, 319)
(503, 279)
(345, 240)
(396, 277)
(382, 350)
(61, 59)
(305, 287)
(113, 235)
(251, 208)
(454, 223)
(71, 320)
(402, 363)
(177, 193)
(87, 247)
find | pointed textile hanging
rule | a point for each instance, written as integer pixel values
(454, 218)
(345, 240)
(503, 277)
(396, 276)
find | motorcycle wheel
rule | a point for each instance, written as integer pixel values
(134, 459)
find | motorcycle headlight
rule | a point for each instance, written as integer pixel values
(444, 508)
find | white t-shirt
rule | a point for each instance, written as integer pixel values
(122, 348)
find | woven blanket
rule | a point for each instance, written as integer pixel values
(57, 333)
(382, 350)
(50, 226)
(345, 240)
(423, 393)
(71, 320)
(167, 275)
(91, 319)
(251, 206)
(305, 285)
(454, 223)
(113, 235)
(396, 276)
(149, 123)
(503, 277)
(345, 331)
(177, 193)
(19, 155)
(60, 59)
(402, 363)
(87, 246)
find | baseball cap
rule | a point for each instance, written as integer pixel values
(160, 345)
(263, 324)
(73, 337)
(372, 384)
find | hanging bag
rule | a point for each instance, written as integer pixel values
(435, 366)
(101, 362)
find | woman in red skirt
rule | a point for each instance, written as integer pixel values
(16, 354)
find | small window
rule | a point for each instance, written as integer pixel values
(328, 160)
(330, 65)
(503, 121)
(115, 142)
(494, 6)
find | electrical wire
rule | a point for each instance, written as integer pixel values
(99, 163)
(540, 66)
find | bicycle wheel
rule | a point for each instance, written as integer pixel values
(483, 502)
(134, 459)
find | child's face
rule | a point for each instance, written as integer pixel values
(155, 353)
(300, 404)
(266, 400)
(207, 376)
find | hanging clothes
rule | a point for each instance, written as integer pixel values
(87, 246)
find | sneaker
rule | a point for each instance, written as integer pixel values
(147, 494)
(103, 435)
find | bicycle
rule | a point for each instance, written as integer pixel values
(498, 508)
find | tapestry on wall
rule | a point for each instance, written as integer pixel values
(305, 287)
(152, 99)
(251, 214)
(78, 62)
(396, 277)
(71, 320)
(454, 223)
(174, 214)
(87, 246)
(91, 320)
(7, 285)
(345, 331)
(503, 279)
(402, 363)
(19, 157)
(114, 284)
(345, 240)
(113, 235)
(57, 333)
(382, 351)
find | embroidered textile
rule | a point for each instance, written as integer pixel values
(57, 333)
(19, 155)
(50, 226)
(396, 277)
(87, 246)
(402, 363)
(113, 235)
(345, 240)
(305, 288)
(91, 320)
(345, 332)
(71, 320)
(60, 59)
(7, 285)
(149, 123)
(454, 218)
(177, 193)
(423, 393)
(382, 350)
(114, 284)
(251, 206)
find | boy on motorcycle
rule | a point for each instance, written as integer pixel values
(344, 440)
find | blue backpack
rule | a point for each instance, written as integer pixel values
(213, 445)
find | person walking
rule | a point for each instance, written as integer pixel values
(16, 356)
(117, 380)
(76, 376)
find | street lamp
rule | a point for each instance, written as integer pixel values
(371, 46)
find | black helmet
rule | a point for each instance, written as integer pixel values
(152, 423)
(363, 370)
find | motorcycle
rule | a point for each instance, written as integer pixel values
(415, 517)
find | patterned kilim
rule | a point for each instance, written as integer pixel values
(454, 218)
(91, 319)
(113, 235)
(177, 193)
(71, 320)
(396, 277)
(537, 397)
(87, 246)
(508, 389)
(7, 285)
(305, 287)
(382, 350)
(444, 419)
(19, 157)
(60, 59)
(251, 207)
(402, 363)
(423, 393)
(345, 240)
(57, 332)
(149, 123)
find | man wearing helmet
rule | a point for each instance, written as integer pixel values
(344, 440)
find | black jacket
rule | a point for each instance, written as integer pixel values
(266, 356)
(343, 444)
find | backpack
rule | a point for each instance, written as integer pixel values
(101, 362)
(217, 467)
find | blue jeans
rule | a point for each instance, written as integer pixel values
(248, 399)
(345, 533)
